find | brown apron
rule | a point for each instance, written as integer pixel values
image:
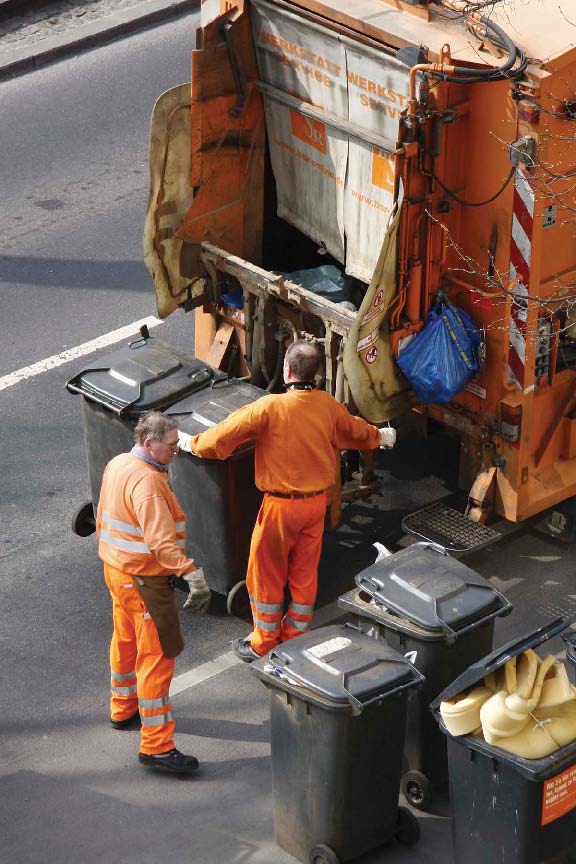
(159, 598)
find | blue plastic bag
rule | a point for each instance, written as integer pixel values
(441, 359)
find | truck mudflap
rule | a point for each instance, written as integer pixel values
(169, 197)
(379, 389)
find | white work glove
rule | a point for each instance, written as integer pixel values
(184, 444)
(387, 437)
(199, 597)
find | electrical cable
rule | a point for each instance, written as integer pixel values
(465, 203)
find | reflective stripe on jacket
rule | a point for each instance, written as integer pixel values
(140, 524)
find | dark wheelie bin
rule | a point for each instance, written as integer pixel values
(145, 375)
(432, 607)
(507, 809)
(219, 497)
(337, 719)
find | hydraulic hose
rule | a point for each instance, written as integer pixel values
(450, 72)
(500, 73)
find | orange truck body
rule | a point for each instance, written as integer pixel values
(349, 109)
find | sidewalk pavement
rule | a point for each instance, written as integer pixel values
(53, 31)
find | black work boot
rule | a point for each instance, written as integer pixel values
(243, 649)
(132, 722)
(173, 762)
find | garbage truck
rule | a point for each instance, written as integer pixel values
(335, 166)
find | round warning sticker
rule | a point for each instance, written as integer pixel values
(372, 355)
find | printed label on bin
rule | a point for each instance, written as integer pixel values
(559, 795)
(323, 650)
(329, 647)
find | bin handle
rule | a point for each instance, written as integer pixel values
(93, 397)
(359, 704)
(437, 547)
(72, 388)
(368, 582)
(452, 635)
(278, 661)
(220, 382)
(280, 656)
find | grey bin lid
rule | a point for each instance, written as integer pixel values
(427, 587)
(494, 661)
(145, 375)
(201, 410)
(337, 665)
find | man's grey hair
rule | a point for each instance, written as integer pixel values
(153, 425)
(304, 359)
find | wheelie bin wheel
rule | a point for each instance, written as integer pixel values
(417, 789)
(407, 827)
(84, 521)
(238, 602)
(322, 854)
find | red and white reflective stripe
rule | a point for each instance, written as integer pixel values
(520, 257)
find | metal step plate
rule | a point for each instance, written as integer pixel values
(449, 528)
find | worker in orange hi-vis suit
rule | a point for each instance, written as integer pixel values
(297, 437)
(141, 532)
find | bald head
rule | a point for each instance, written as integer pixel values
(301, 362)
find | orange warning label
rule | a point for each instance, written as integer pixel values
(383, 171)
(308, 130)
(559, 795)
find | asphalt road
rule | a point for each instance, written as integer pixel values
(74, 145)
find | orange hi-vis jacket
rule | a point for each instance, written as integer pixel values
(297, 436)
(140, 524)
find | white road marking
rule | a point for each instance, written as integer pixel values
(203, 673)
(544, 559)
(73, 353)
(226, 661)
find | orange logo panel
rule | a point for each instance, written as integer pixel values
(383, 173)
(308, 130)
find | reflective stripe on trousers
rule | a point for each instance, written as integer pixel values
(266, 616)
(140, 673)
(285, 550)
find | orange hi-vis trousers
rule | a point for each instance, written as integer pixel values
(140, 673)
(285, 550)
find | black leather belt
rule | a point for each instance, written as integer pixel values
(296, 494)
